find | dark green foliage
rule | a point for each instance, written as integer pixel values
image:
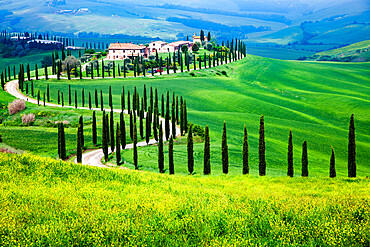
(167, 117)
(262, 148)
(351, 149)
(38, 97)
(83, 97)
(128, 101)
(48, 93)
(90, 103)
(76, 99)
(61, 142)
(173, 122)
(58, 97)
(2, 80)
(79, 144)
(155, 133)
(80, 72)
(177, 109)
(163, 109)
(290, 155)
(245, 152)
(207, 153)
(111, 131)
(81, 122)
(62, 99)
(135, 146)
(123, 99)
(94, 132)
(44, 100)
(148, 126)
(110, 98)
(185, 118)
(190, 151)
(69, 95)
(160, 150)
(131, 126)
(304, 160)
(170, 157)
(225, 151)
(46, 71)
(118, 145)
(96, 99)
(141, 127)
(105, 136)
(68, 72)
(101, 100)
(28, 72)
(332, 172)
(181, 116)
(123, 130)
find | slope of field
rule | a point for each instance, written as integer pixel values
(48, 202)
(314, 100)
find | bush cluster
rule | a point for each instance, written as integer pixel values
(28, 119)
(16, 106)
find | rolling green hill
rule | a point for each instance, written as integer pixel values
(314, 100)
(48, 202)
(358, 52)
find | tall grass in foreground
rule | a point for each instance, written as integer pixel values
(44, 201)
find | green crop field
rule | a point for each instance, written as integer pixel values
(48, 202)
(314, 100)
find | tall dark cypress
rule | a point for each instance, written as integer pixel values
(48, 93)
(90, 104)
(59, 147)
(28, 72)
(80, 72)
(141, 126)
(173, 122)
(304, 160)
(177, 109)
(207, 152)
(112, 143)
(185, 118)
(163, 109)
(105, 137)
(110, 98)
(81, 122)
(2, 81)
(135, 147)
(63, 154)
(148, 126)
(62, 99)
(155, 133)
(123, 130)
(332, 172)
(290, 155)
(181, 117)
(262, 148)
(36, 72)
(96, 99)
(170, 157)
(128, 101)
(151, 98)
(79, 144)
(160, 150)
(131, 126)
(225, 151)
(94, 133)
(76, 99)
(58, 97)
(245, 152)
(44, 100)
(118, 146)
(46, 72)
(123, 99)
(190, 151)
(102, 68)
(101, 100)
(351, 149)
(38, 97)
(145, 99)
(167, 117)
(68, 72)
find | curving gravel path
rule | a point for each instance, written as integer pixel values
(91, 158)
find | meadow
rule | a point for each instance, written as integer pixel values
(314, 100)
(49, 202)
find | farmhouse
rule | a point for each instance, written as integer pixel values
(120, 51)
(157, 46)
(175, 46)
(196, 39)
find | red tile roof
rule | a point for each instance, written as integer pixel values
(125, 46)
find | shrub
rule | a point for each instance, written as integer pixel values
(16, 106)
(28, 119)
(5, 150)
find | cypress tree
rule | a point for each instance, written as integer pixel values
(102, 68)
(105, 137)
(80, 72)
(167, 118)
(290, 155)
(62, 143)
(92, 71)
(2, 81)
(351, 149)
(131, 127)
(26, 88)
(262, 148)
(94, 133)
(118, 146)
(207, 152)
(62, 99)
(36, 72)
(83, 97)
(225, 151)
(90, 104)
(81, 122)
(170, 157)
(245, 152)
(145, 99)
(190, 151)
(332, 172)
(185, 118)
(68, 72)
(59, 148)
(101, 100)
(151, 98)
(32, 88)
(123, 99)
(141, 127)
(304, 160)
(110, 98)
(96, 99)
(46, 72)
(28, 72)
(148, 126)
(177, 109)
(79, 144)
(128, 101)
(163, 109)
(69, 95)
(173, 122)
(76, 99)
(112, 143)
(114, 69)
(123, 131)
(44, 99)
(160, 150)
(181, 117)
(155, 133)
(135, 147)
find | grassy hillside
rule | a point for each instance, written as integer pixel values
(315, 100)
(47, 202)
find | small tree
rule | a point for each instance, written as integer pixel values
(333, 173)
(112, 143)
(118, 146)
(225, 151)
(62, 143)
(262, 148)
(351, 149)
(160, 150)
(81, 122)
(290, 155)
(207, 152)
(123, 131)
(105, 137)
(79, 144)
(170, 156)
(245, 152)
(304, 160)
(190, 152)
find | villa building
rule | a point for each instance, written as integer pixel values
(120, 51)
(157, 46)
(175, 46)
(196, 39)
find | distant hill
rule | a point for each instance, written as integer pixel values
(358, 52)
